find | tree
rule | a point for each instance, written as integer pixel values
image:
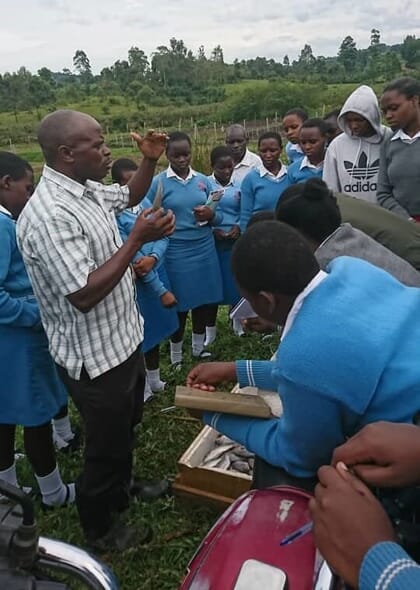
(410, 51)
(347, 54)
(375, 37)
(286, 61)
(40, 93)
(217, 55)
(82, 66)
(138, 62)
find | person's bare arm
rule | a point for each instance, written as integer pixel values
(103, 279)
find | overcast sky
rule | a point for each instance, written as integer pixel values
(37, 33)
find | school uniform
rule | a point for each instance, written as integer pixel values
(302, 169)
(229, 205)
(260, 191)
(191, 260)
(294, 152)
(348, 357)
(31, 392)
(159, 322)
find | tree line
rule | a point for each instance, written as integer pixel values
(175, 75)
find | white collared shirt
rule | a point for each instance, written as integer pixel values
(241, 169)
(171, 174)
(5, 211)
(402, 135)
(317, 280)
(307, 164)
(230, 183)
(65, 232)
(264, 172)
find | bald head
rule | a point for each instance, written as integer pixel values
(63, 127)
(236, 129)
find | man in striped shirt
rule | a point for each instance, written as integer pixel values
(81, 275)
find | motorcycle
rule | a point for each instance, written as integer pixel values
(26, 559)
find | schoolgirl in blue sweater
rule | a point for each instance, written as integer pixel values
(348, 356)
(292, 122)
(191, 259)
(227, 232)
(154, 297)
(31, 393)
(313, 139)
(262, 188)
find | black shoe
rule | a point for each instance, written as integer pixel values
(150, 489)
(120, 537)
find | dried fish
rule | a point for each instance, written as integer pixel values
(157, 203)
(217, 452)
(241, 451)
(224, 463)
(223, 440)
(241, 466)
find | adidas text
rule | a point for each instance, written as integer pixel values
(360, 187)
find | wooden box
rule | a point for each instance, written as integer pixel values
(208, 484)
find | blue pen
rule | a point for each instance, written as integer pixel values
(306, 528)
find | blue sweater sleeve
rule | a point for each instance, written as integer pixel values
(158, 248)
(16, 312)
(247, 201)
(300, 441)
(257, 374)
(388, 566)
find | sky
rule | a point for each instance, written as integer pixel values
(37, 33)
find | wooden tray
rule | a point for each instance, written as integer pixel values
(221, 401)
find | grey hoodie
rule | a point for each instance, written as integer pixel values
(351, 163)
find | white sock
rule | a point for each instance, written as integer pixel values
(237, 327)
(53, 490)
(148, 393)
(9, 475)
(62, 427)
(197, 341)
(176, 352)
(210, 335)
(153, 377)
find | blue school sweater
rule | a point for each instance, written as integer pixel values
(293, 152)
(229, 205)
(125, 222)
(260, 192)
(18, 306)
(349, 358)
(301, 170)
(182, 197)
(387, 565)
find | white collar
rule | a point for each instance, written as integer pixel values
(400, 134)
(171, 174)
(305, 163)
(247, 160)
(318, 278)
(5, 211)
(230, 183)
(264, 172)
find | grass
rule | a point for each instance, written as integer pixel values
(179, 524)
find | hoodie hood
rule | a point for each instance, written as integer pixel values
(363, 101)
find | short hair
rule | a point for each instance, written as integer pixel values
(13, 165)
(177, 136)
(318, 123)
(261, 216)
(301, 113)
(238, 127)
(311, 208)
(272, 256)
(410, 87)
(270, 135)
(332, 114)
(120, 166)
(220, 151)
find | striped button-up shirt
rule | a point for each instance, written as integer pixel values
(65, 232)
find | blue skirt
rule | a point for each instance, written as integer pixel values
(193, 270)
(159, 322)
(230, 290)
(31, 392)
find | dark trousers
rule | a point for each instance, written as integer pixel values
(110, 406)
(266, 475)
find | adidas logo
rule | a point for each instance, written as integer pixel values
(363, 170)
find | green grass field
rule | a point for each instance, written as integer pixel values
(161, 439)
